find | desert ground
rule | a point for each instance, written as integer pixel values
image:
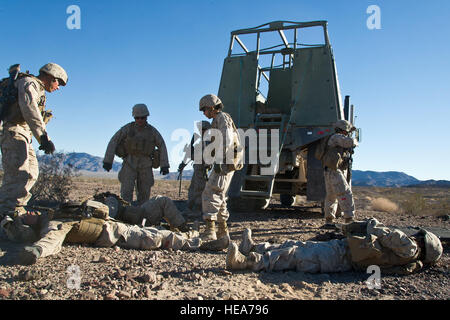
(121, 274)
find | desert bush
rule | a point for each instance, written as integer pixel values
(384, 205)
(414, 204)
(55, 180)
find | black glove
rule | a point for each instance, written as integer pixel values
(164, 170)
(181, 166)
(107, 166)
(46, 145)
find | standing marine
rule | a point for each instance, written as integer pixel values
(214, 196)
(142, 148)
(335, 161)
(24, 119)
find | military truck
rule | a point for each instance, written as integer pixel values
(272, 84)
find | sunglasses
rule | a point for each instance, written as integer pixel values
(140, 118)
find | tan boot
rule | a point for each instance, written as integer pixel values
(222, 230)
(216, 245)
(210, 231)
(247, 243)
(235, 259)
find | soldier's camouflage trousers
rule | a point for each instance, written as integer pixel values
(142, 178)
(120, 234)
(304, 256)
(214, 197)
(20, 171)
(338, 192)
(196, 188)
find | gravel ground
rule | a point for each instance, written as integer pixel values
(121, 274)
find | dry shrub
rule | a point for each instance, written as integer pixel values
(54, 182)
(384, 205)
(414, 204)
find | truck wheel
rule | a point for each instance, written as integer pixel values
(287, 200)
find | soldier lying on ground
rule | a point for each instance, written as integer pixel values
(366, 243)
(91, 223)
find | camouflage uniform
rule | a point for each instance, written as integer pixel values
(338, 190)
(112, 232)
(214, 196)
(20, 165)
(198, 183)
(139, 144)
(366, 243)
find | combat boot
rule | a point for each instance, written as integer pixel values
(29, 255)
(328, 223)
(235, 259)
(247, 244)
(216, 245)
(210, 231)
(222, 230)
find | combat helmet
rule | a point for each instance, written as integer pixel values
(56, 71)
(140, 110)
(433, 247)
(343, 125)
(209, 100)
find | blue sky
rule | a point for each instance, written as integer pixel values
(168, 54)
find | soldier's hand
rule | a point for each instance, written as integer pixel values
(46, 145)
(164, 170)
(107, 166)
(181, 166)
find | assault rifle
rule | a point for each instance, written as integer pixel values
(9, 93)
(188, 155)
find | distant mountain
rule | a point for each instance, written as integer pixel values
(382, 179)
(431, 184)
(90, 165)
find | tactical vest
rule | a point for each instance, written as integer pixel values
(92, 215)
(139, 144)
(86, 231)
(13, 115)
(333, 157)
(366, 252)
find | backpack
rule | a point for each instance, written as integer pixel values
(9, 93)
(321, 147)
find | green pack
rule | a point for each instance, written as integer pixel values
(321, 148)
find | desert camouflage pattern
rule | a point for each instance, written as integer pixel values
(214, 197)
(304, 256)
(120, 234)
(338, 190)
(137, 165)
(372, 243)
(196, 187)
(55, 232)
(161, 207)
(19, 160)
(366, 243)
